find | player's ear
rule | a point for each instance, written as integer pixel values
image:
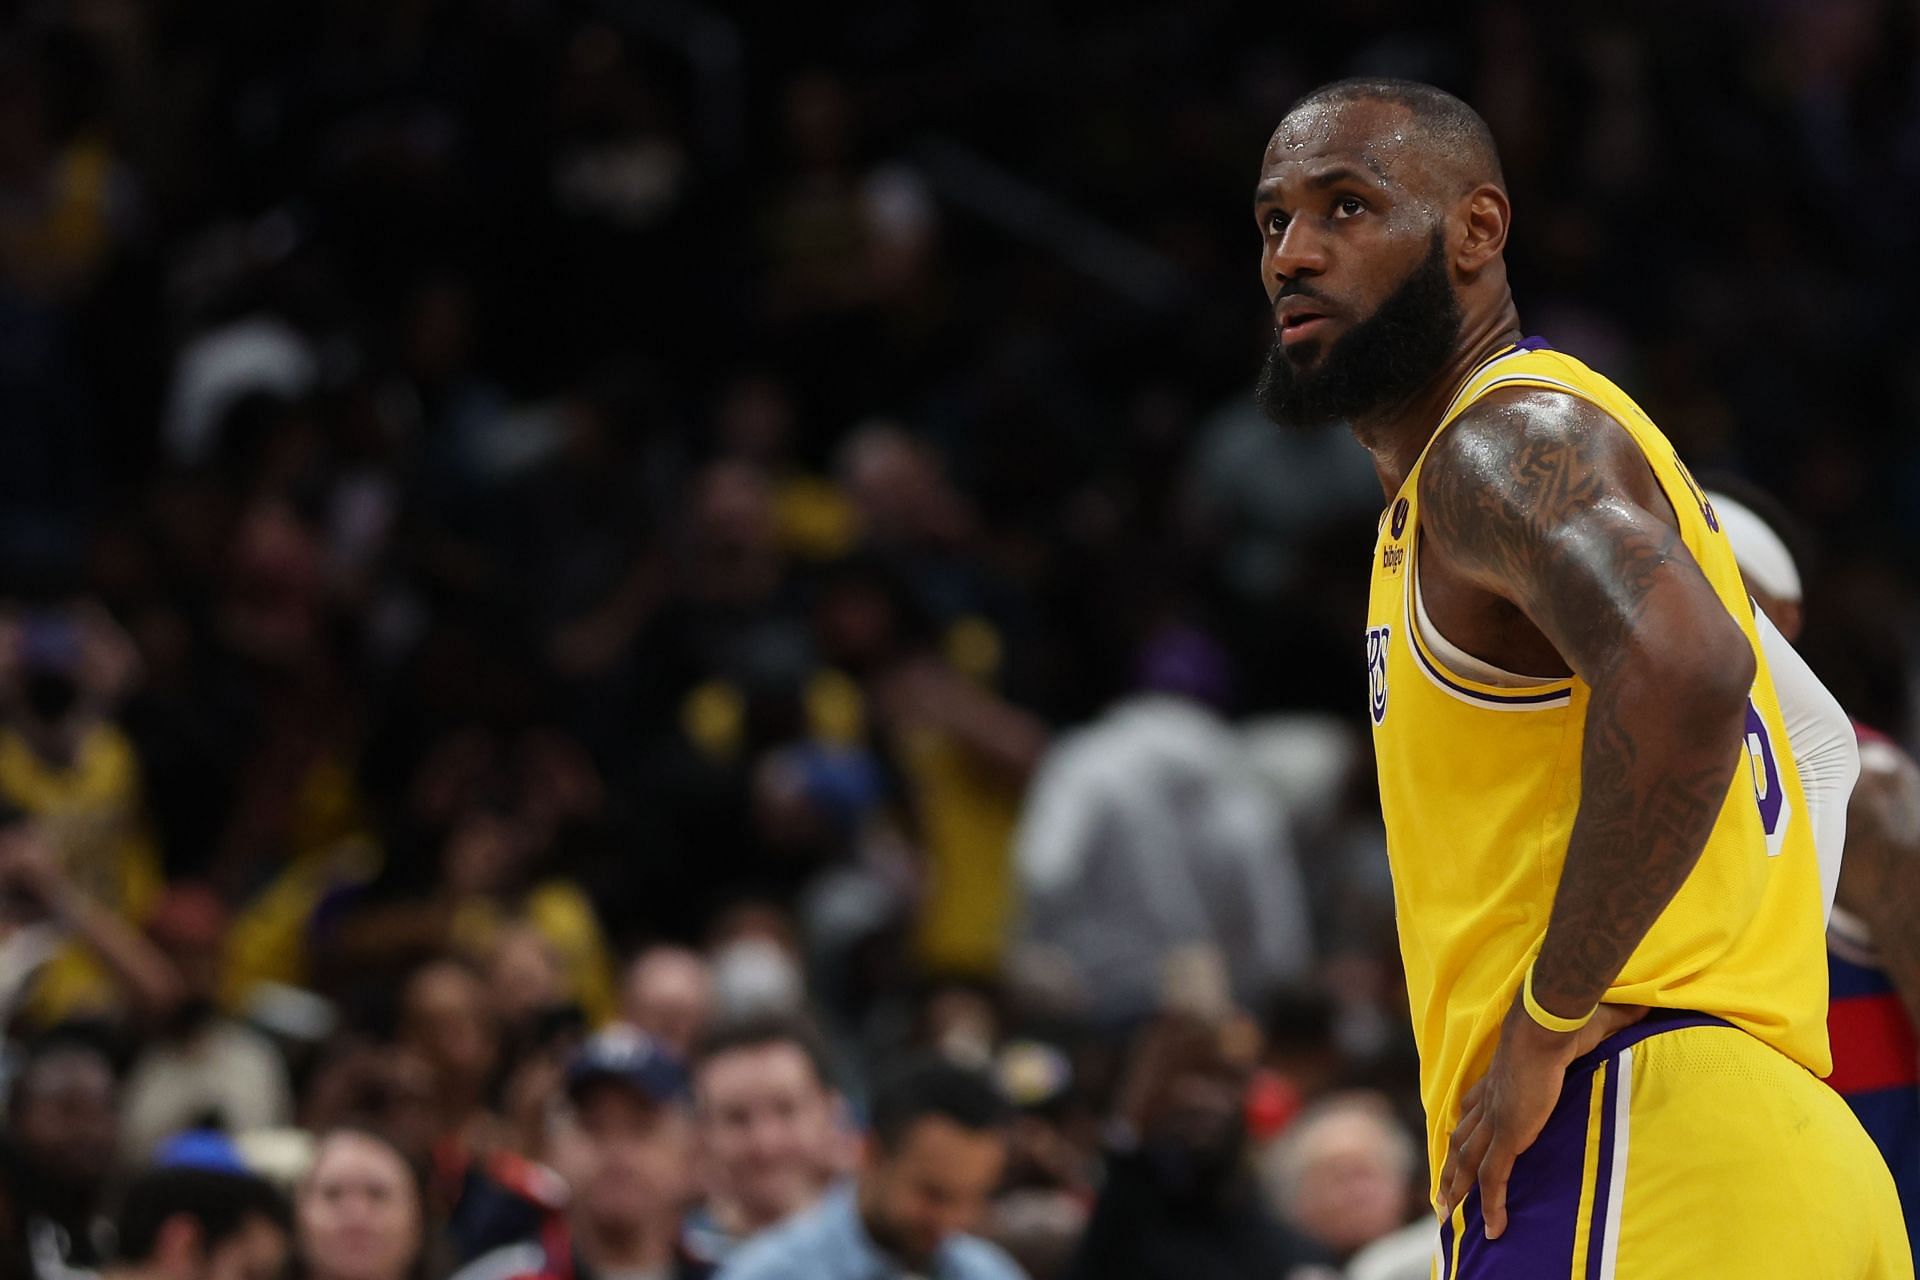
(1486, 216)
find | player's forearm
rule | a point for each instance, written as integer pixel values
(1663, 738)
(142, 969)
(1880, 877)
(1898, 944)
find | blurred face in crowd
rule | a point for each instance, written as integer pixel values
(258, 1251)
(359, 1211)
(449, 1021)
(735, 532)
(1354, 260)
(897, 485)
(1185, 1093)
(409, 1113)
(389, 1090)
(274, 602)
(768, 1128)
(525, 974)
(1350, 1179)
(669, 995)
(1203, 1112)
(859, 627)
(935, 1185)
(486, 853)
(66, 1117)
(626, 1158)
(190, 927)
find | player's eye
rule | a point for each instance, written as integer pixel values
(1277, 222)
(1348, 206)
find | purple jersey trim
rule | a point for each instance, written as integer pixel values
(1656, 1022)
(1603, 1169)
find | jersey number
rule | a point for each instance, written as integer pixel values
(1776, 811)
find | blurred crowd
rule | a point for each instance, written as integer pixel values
(626, 628)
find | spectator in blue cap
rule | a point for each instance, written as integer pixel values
(207, 1149)
(622, 1139)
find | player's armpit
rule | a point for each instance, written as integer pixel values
(1880, 874)
(1544, 500)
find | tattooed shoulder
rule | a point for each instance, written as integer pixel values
(1545, 500)
(1519, 465)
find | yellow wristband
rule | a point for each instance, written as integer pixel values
(1551, 1021)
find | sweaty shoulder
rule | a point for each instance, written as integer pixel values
(1536, 445)
(1544, 500)
(1520, 464)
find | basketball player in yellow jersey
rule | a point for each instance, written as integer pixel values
(1609, 903)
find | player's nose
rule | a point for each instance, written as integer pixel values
(1299, 251)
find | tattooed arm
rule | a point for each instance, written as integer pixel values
(1880, 874)
(1544, 501)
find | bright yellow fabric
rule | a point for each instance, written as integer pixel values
(331, 850)
(967, 813)
(562, 914)
(1739, 1163)
(270, 939)
(1479, 792)
(92, 811)
(814, 519)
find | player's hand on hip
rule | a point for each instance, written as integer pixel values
(1502, 1114)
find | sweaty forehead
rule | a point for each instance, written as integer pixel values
(1381, 138)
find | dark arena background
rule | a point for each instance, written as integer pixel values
(729, 550)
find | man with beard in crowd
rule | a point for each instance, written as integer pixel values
(1605, 871)
(938, 1149)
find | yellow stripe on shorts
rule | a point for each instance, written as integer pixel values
(1589, 1174)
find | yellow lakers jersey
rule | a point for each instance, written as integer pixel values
(1480, 781)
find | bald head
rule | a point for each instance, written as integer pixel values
(669, 995)
(1449, 139)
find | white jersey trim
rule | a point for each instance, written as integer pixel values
(1617, 1177)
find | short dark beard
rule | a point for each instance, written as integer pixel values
(894, 1244)
(1382, 362)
